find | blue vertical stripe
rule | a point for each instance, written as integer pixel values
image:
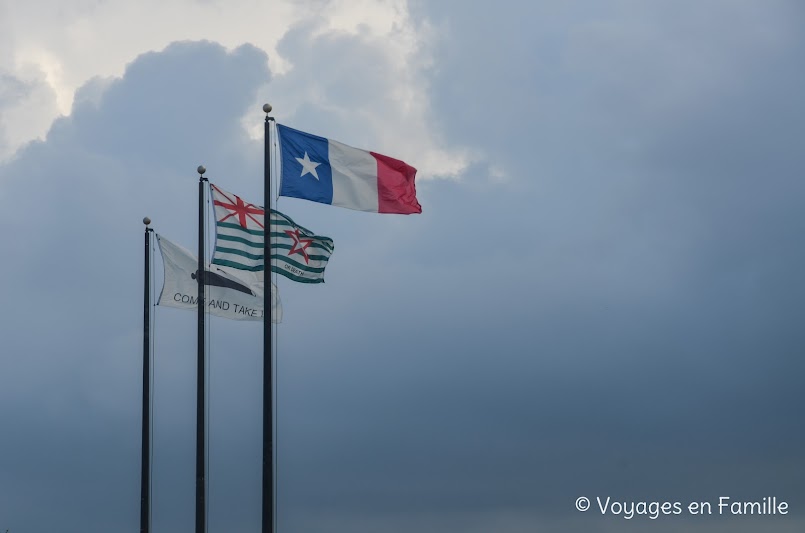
(294, 144)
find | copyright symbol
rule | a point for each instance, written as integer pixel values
(582, 504)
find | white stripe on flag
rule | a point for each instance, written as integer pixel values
(354, 177)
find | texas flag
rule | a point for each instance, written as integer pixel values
(326, 171)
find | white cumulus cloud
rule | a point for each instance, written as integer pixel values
(51, 48)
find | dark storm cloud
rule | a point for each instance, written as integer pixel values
(72, 337)
(619, 316)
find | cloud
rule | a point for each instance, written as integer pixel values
(128, 149)
(371, 86)
(619, 316)
(69, 44)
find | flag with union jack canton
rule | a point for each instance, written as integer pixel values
(296, 252)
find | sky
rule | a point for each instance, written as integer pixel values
(602, 297)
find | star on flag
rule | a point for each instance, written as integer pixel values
(308, 166)
(300, 244)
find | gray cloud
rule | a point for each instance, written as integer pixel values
(620, 316)
(73, 340)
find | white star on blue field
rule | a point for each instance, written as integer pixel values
(308, 166)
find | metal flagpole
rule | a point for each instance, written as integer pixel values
(201, 514)
(145, 469)
(268, 354)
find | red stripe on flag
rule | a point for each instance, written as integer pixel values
(396, 192)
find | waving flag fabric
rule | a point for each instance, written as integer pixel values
(239, 232)
(296, 252)
(327, 171)
(229, 293)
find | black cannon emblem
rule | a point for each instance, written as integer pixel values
(217, 280)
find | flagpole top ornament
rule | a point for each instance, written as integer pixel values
(146, 221)
(267, 108)
(201, 170)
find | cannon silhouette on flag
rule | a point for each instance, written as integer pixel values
(217, 280)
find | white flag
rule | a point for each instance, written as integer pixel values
(230, 293)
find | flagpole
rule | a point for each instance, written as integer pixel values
(268, 353)
(145, 464)
(201, 514)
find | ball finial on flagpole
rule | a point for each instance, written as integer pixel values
(267, 108)
(201, 170)
(146, 221)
